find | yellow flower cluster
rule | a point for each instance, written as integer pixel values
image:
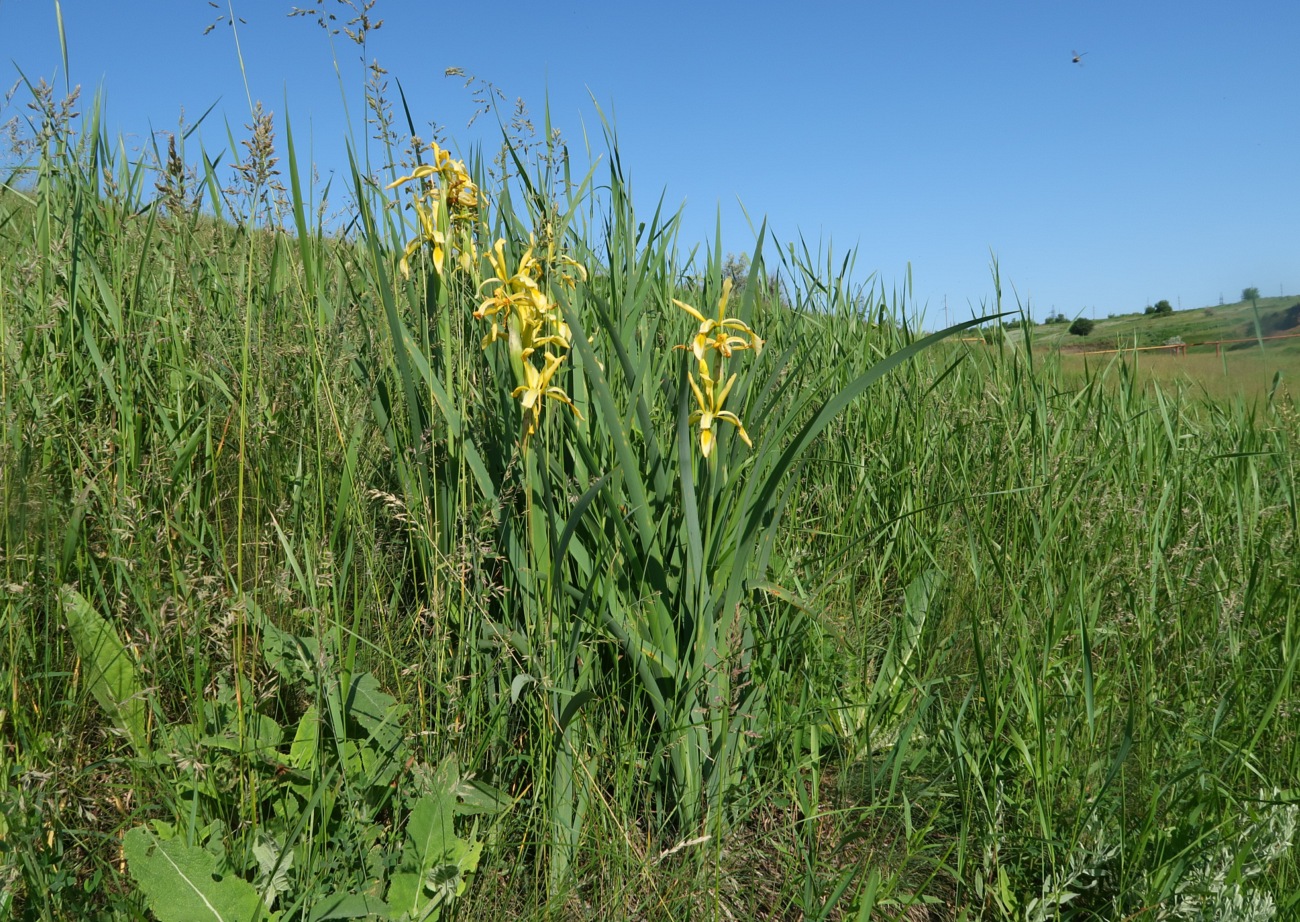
(447, 178)
(516, 302)
(530, 322)
(722, 335)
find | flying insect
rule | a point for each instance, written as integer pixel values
(1076, 57)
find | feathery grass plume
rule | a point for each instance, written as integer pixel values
(357, 27)
(55, 116)
(259, 182)
(179, 193)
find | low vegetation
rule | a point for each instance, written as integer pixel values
(497, 559)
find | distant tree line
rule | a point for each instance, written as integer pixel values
(1082, 326)
(737, 269)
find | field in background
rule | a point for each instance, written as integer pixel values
(323, 596)
(1239, 350)
(1242, 320)
(1245, 373)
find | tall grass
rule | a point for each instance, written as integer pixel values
(957, 637)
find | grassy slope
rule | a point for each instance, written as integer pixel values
(1242, 369)
(1024, 636)
(1196, 325)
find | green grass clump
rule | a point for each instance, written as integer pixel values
(318, 603)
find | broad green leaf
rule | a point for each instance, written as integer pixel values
(377, 712)
(405, 895)
(181, 883)
(306, 742)
(294, 658)
(365, 765)
(349, 906)
(272, 869)
(111, 673)
(429, 834)
(474, 796)
(428, 838)
(450, 878)
(435, 863)
(261, 734)
(517, 685)
(916, 606)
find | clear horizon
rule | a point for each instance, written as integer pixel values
(936, 135)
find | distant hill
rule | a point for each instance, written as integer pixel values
(1239, 321)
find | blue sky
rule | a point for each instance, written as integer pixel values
(925, 132)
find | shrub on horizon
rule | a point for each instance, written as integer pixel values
(1082, 326)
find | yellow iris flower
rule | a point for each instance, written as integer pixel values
(710, 411)
(527, 274)
(538, 386)
(516, 293)
(462, 194)
(725, 336)
(530, 322)
(576, 266)
(716, 333)
(430, 234)
(447, 176)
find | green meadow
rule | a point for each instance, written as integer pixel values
(506, 555)
(1239, 325)
(1247, 350)
(1245, 374)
